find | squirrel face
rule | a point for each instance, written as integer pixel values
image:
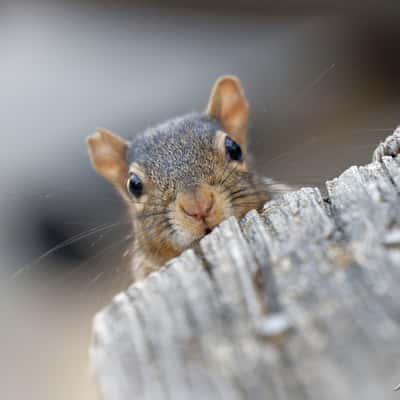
(182, 178)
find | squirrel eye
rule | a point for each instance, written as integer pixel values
(233, 149)
(135, 186)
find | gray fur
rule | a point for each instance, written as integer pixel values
(172, 152)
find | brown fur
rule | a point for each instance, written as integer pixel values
(189, 183)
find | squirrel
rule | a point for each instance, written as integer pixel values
(183, 177)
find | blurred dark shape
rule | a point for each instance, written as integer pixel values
(53, 231)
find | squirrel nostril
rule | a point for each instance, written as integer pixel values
(193, 212)
(188, 209)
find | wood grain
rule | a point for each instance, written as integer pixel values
(300, 301)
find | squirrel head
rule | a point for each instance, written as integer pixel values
(182, 178)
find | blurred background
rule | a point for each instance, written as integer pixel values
(323, 81)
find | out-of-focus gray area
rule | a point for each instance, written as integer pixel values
(322, 80)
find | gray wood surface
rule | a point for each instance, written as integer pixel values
(301, 301)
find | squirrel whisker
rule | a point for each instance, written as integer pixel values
(243, 177)
(95, 256)
(224, 177)
(74, 239)
(251, 194)
(146, 231)
(232, 169)
(147, 203)
(150, 214)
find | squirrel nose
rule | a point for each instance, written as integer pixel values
(197, 204)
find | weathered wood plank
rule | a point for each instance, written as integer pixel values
(298, 302)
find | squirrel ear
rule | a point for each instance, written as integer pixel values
(108, 153)
(228, 104)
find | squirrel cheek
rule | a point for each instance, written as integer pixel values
(137, 206)
(221, 210)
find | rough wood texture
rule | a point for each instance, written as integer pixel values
(299, 302)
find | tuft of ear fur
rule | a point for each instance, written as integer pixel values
(108, 152)
(228, 105)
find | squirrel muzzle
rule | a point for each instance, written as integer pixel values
(200, 209)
